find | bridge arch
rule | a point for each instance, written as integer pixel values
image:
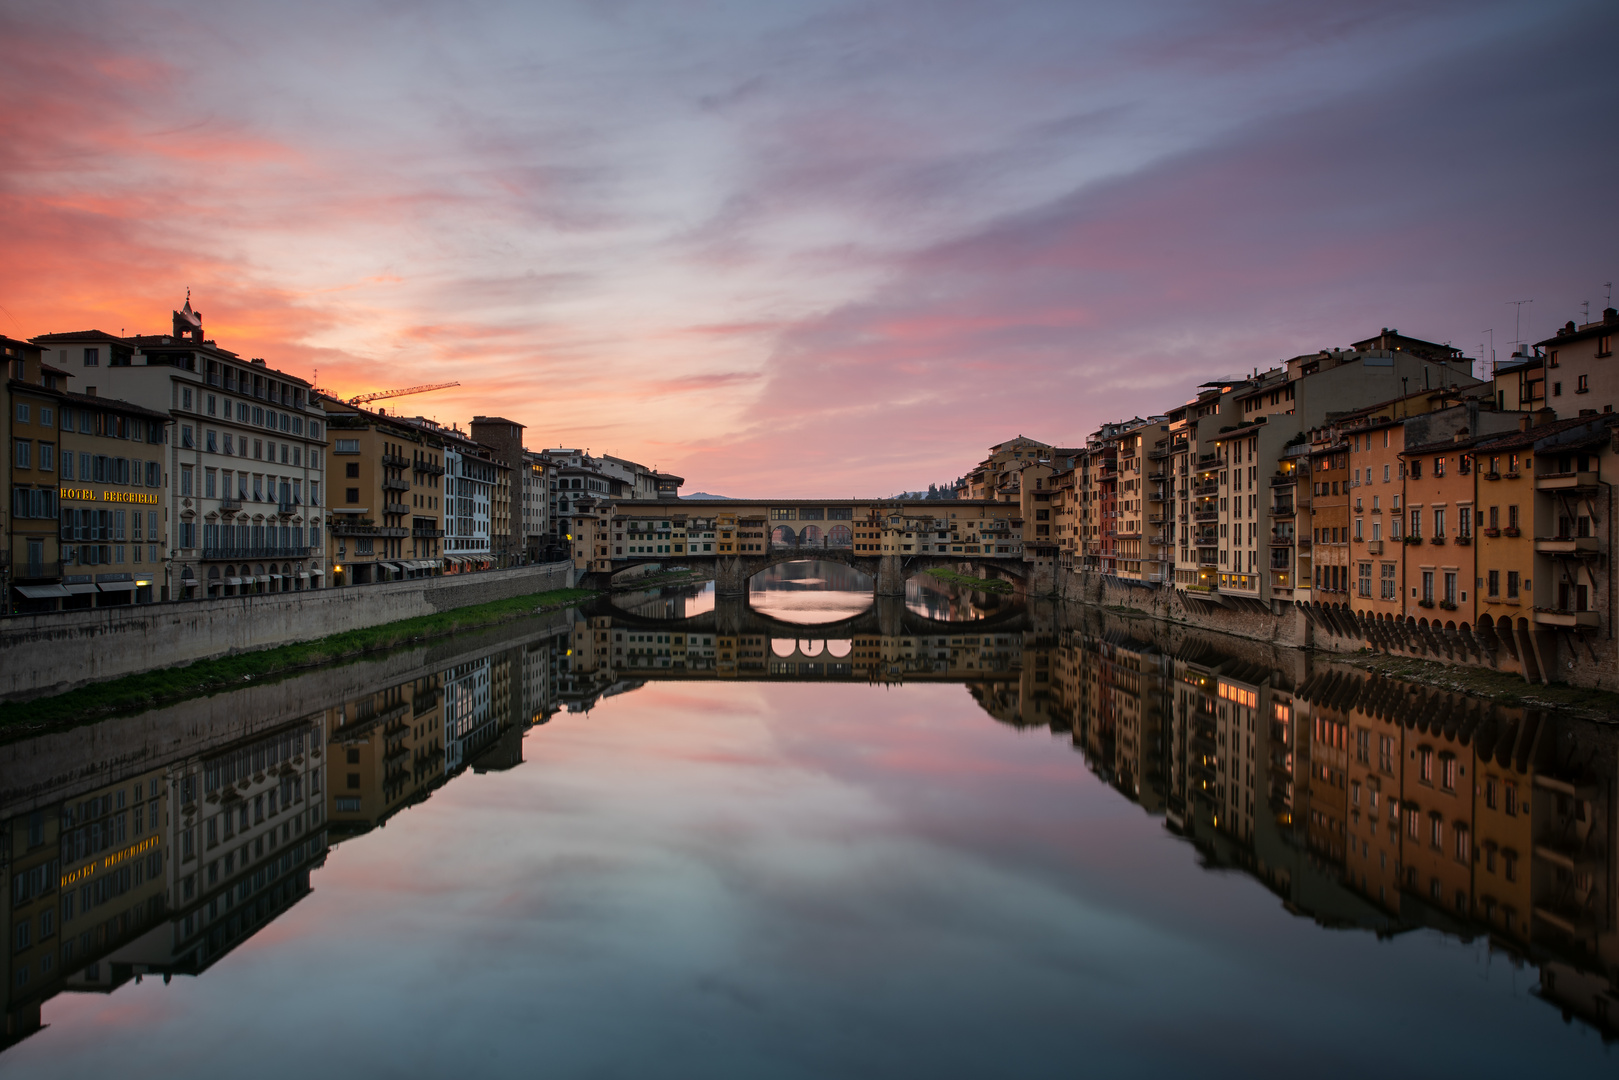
(783, 536)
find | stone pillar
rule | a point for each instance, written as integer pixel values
(731, 576)
(890, 577)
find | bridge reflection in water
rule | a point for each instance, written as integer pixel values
(156, 845)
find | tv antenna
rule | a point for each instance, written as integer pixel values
(1491, 333)
(1517, 320)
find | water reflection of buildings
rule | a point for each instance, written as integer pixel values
(163, 867)
(1368, 803)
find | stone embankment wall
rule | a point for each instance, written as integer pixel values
(38, 771)
(1588, 659)
(47, 654)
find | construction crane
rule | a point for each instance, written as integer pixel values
(362, 399)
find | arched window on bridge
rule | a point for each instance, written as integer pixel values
(839, 536)
(811, 536)
(783, 536)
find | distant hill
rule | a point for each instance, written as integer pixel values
(702, 496)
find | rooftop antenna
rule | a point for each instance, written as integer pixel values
(1609, 286)
(1585, 309)
(1517, 320)
(1491, 332)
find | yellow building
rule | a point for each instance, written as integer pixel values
(86, 513)
(387, 497)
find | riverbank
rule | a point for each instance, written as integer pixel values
(1501, 687)
(150, 689)
(968, 581)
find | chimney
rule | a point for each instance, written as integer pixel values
(1526, 421)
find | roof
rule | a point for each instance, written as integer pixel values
(79, 335)
(1522, 440)
(1609, 323)
(90, 400)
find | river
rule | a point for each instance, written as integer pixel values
(807, 834)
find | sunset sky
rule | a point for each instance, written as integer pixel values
(805, 249)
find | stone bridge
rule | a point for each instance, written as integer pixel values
(888, 573)
(889, 540)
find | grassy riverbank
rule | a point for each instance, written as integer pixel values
(134, 693)
(987, 585)
(1498, 686)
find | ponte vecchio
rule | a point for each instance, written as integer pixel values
(887, 539)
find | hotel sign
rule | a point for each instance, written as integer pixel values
(68, 494)
(89, 868)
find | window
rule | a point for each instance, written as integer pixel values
(352, 496)
(1365, 579)
(1427, 586)
(1584, 385)
(347, 446)
(1512, 584)
(352, 470)
(1447, 772)
(1439, 523)
(1493, 583)
(24, 454)
(92, 357)
(1416, 523)
(1439, 466)
(1425, 764)
(185, 480)
(22, 412)
(1450, 587)
(1388, 581)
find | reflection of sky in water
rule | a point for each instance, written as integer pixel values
(810, 592)
(950, 602)
(759, 880)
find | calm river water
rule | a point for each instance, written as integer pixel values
(808, 835)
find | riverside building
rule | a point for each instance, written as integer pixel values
(244, 465)
(387, 503)
(85, 514)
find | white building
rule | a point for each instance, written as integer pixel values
(245, 461)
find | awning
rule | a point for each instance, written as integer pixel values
(41, 592)
(303, 575)
(81, 587)
(233, 581)
(117, 586)
(275, 577)
(318, 573)
(395, 567)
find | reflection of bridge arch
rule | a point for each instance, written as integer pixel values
(887, 615)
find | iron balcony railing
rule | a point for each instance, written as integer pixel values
(234, 554)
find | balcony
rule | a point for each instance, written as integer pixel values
(1285, 480)
(1206, 515)
(1204, 490)
(1569, 481)
(422, 465)
(395, 508)
(1281, 539)
(1374, 547)
(1568, 545)
(1571, 620)
(1155, 496)
(230, 504)
(395, 485)
(427, 534)
(397, 461)
(1284, 509)
(236, 554)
